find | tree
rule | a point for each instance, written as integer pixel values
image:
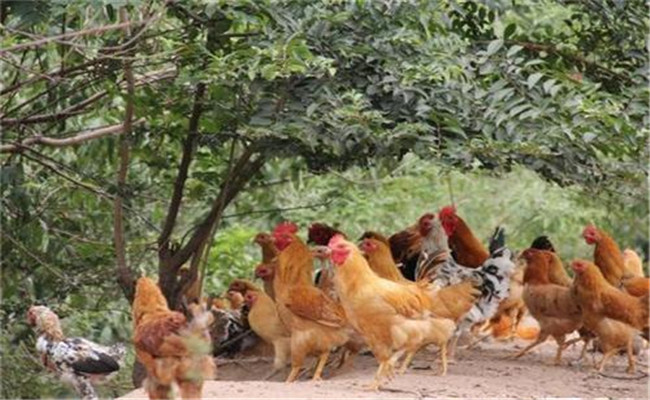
(155, 117)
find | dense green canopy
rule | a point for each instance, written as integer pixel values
(134, 133)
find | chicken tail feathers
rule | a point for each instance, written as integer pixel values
(498, 239)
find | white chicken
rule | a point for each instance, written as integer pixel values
(76, 361)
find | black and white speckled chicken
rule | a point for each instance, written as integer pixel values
(76, 361)
(492, 278)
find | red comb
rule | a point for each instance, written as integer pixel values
(285, 227)
(447, 211)
(588, 229)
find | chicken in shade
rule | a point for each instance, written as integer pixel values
(76, 361)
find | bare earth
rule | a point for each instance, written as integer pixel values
(479, 372)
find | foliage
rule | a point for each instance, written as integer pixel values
(372, 110)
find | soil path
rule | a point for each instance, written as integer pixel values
(479, 372)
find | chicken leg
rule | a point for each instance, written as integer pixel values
(293, 374)
(443, 359)
(378, 376)
(540, 339)
(407, 361)
(606, 357)
(630, 357)
(322, 360)
(156, 390)
(85, 388)
(561, 345)
(190, 389)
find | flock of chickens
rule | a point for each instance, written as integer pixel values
(425, 285)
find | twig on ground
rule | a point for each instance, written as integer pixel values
(416, 393)
(625, 378)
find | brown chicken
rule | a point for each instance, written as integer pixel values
(611, 314)
(325, 278)
(316, 322)
(633, 263)
(381, 260)
(405, 247)
(451, 302)
(468, 250)
(264, 320)
(377, 236)
(266, 272)
(269, 251)
(506, 322)
(170, 348)
(392, 317)
(609, 259)
(557, 274)
(550, 304)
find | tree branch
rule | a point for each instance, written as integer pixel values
(576, 57)
(188, 151)
(73, 110)
(84, 32)
(124, 273)
(69, 178)
(240, 175)
(83, 185)
(272, 210)
(92, 134)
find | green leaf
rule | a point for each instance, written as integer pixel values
(514, 50)
(589, 137)
(518, 109)
(494, 46)
(533, 79)
(548, 85)
(510, 29)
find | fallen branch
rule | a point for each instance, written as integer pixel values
(251, 360)
(416, 393)
(92, 134)
(625, 378)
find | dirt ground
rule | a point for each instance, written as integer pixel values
(478, 372)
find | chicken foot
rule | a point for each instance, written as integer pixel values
(561, 345)
(293, 374)
(407, 361)
(322, 360)
(190, 390)
(606, 357)
(611, 352)
(376, 384)
(453, 345)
